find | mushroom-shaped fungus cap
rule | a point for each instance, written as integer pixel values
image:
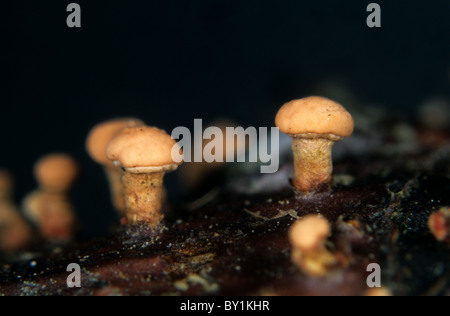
(309, 233)
(100, 136)
(143, 150)
(314, 115)
(56, 171)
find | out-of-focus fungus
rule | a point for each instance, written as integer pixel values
(439, 223)
(96, 145)
(50, 207)
(15, 232)
(196, 175)
(307, 237)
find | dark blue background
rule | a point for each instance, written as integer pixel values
(169, 62)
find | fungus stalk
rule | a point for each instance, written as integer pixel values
(316, 263)
(312, 161)
(143, 197)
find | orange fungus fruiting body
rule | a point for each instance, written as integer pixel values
(15, 233)
(49, 207)
(314, 123)
(145, 155)
(307, 237)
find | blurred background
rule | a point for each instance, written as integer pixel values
(169, 62)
